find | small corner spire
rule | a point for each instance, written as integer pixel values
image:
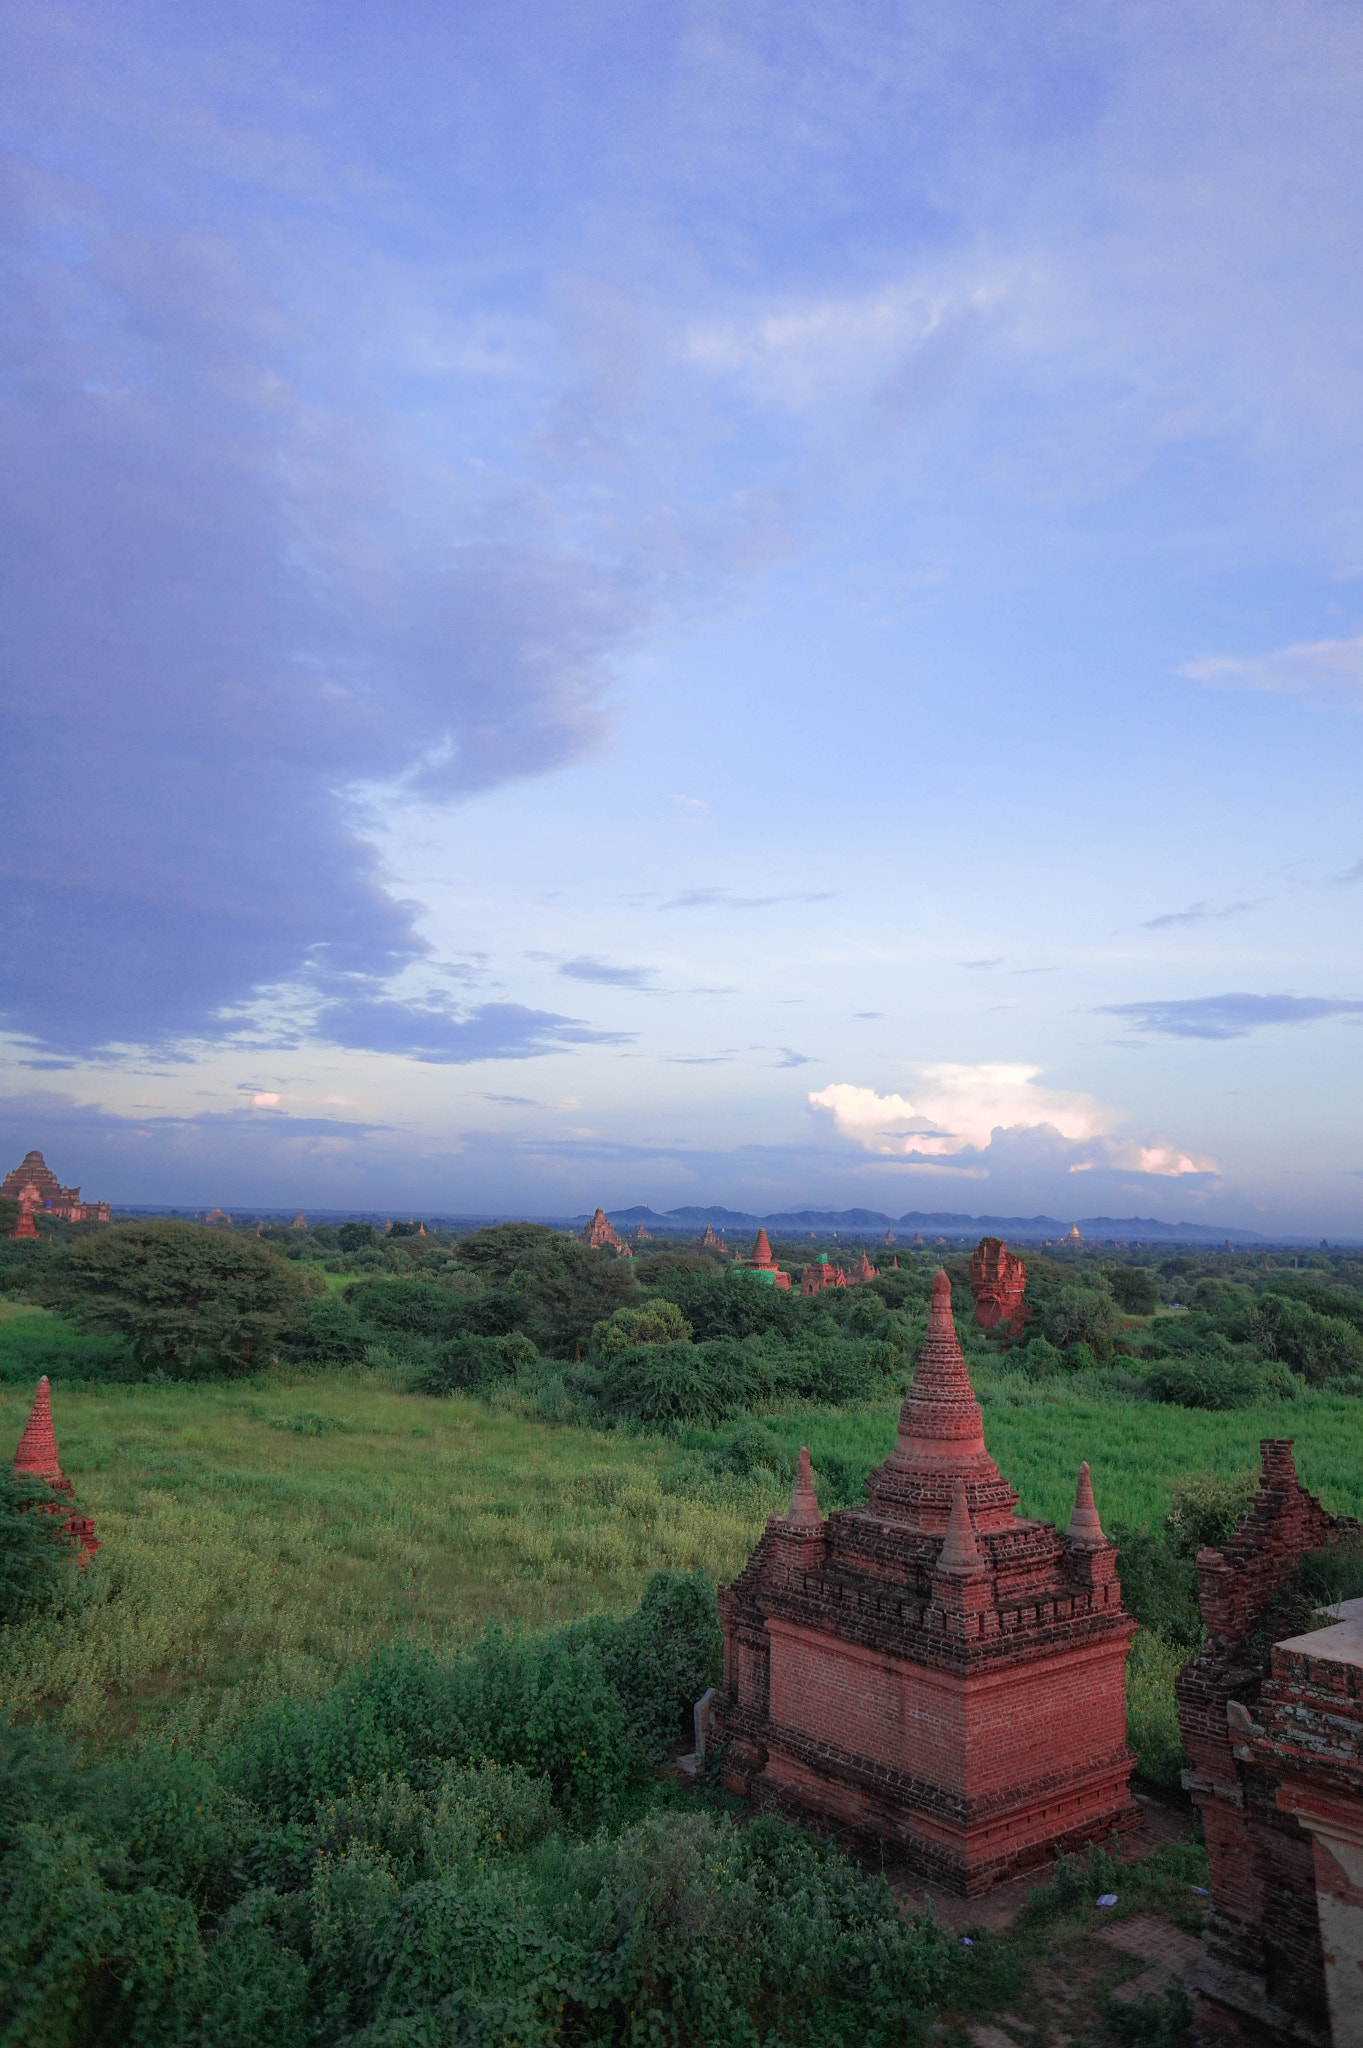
(960, 1551)
(1085, 1529)
(36, 1456)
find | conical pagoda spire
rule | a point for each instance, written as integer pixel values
(761, 1251)
(960, 1553)
(36, 1457)
(1085, 1529)
(941, 1437)
(803, 1512)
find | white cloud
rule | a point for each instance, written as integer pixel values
(1328, 668)
(957, 1112)
(264, 1101)
(957, 1108)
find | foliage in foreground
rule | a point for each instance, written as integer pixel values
(426, 1856)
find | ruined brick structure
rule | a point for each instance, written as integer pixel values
(997, 1282)
(1274, 1735)
(36, 1458)
(34, 1186)
(932, 1674)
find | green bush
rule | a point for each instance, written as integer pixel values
(659, 1322)
(1219, 1383)
(1320, 1347)
(473, 1362)
(36, 1551)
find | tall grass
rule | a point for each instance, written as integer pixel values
(260, 1537)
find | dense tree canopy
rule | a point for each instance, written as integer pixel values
(185, 1298)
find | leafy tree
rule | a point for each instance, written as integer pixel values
(182, 1295)
(659, 1322)
(1134, 1290)
(357, 1237)
(1319, 1347)
(558, 1288)
(1083, 1315)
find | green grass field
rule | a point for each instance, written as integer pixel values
(258, 1537)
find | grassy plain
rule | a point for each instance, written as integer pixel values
(259, 1537)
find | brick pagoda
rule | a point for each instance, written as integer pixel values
(932, 1674)
(763, 1264)
(36, 1458)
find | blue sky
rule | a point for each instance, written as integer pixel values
(685, 603)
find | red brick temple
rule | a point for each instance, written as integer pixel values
(998, 1280)
(601, 1231)
(1274, 1735)
(932, 1674)
(36, 1458)
(814, 1279)
(763, 1264)
(34, 1186)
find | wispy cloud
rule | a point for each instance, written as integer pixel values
(1228, 1016)
(1198, 913)
(725, 899)
(587, 968)
(788, 1058)
(1317, 668)
(996, 962)
(437, 1037)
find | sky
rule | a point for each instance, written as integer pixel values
(684, 603)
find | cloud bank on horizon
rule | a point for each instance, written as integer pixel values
(428, 451)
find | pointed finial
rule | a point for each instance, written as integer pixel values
(36, 1457)
(803, 1512)
(1085, 1529)
(960, 1551)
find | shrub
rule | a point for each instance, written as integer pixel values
(1206, 1510)
(1320, 1347)
(1133, 1289)
(325, 1332)
(1082, 1315)
(1219, 1383)
(36, 1552)
(659, 1322)
(467, 1362)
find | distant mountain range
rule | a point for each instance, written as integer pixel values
(935, 1222)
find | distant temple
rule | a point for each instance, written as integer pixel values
(601, 1232)
(36, 1458)
(763, 1265)
(642, 1232)
(814, 1279)
(34, 1186)
(997, 1281)
(932, 1674)
(1072, 1235)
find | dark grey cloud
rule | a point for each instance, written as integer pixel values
(1228, 1016)
(724, 899)
(1198, 913)
(586, 968)
(440, 1037)
(235, 589)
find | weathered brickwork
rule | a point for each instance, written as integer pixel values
(998, 1280)
(1268, 1729)
(932, 1672)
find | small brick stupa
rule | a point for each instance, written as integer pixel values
(763, 1264)
(998, 1280)
(932, 1674)
(36, 1458)
(601, 1232)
